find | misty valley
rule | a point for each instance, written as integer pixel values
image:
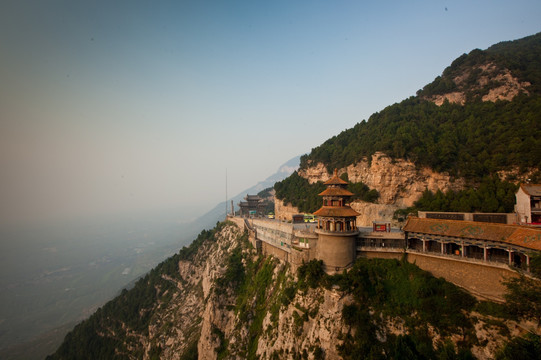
(55, 276)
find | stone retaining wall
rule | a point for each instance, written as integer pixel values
(482, 280)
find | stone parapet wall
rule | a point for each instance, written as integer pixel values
(268, 249)
(482, 280)
(380, 255)
(510, 218)
(273, 224)
(298, 257)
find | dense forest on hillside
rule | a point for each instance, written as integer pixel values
(468, 141)
(381, 289)
(521, 57)
(95, 337)
(385, 288)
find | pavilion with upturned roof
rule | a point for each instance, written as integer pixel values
(336, 215)
(336, 227)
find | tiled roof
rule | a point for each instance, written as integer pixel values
(531, 189)
(335, 180)
(333, 211)
(335, 192)
(252, 197)
(527, 237)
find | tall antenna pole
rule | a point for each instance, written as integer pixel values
(226, 193)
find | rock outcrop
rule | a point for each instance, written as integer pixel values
(229, 302)
(399, 182)
(496, 83)
(283, 211)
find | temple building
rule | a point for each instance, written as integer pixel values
(528, 206)
(336, 227)
(254, 206)
(487, 242)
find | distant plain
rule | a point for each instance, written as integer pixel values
(53, 276)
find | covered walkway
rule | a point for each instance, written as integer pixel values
(485, 242)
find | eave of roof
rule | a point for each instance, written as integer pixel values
(333, 211)
(335, 180)
(531, 189)
(335, 192)
(527, 237)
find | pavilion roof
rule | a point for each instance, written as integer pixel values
(531, 189)
(335, 180)
(527, 237)
(336, 191)
(334, 211)
(252, 197)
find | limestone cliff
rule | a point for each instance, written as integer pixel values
(399, 182)
(271, 316)
(220, 299)
(500, 84)
(284, 211)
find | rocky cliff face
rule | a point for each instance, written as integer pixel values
(178, 326)
(398, 182)
(284, 211)
(225, 301)
(263, 322)
(499, 84)
(269, 317)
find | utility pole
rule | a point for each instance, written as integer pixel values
(225, 193)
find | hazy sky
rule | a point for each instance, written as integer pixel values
(112, 107)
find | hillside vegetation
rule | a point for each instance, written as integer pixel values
(521, 57)
(491, 195)
(305, 196)
(258, 308)
(114, 330)
(469, 140)
(473, 138)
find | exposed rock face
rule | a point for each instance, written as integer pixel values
(321, 328)
(179, 324)
(502, 85)
(315, 316)
(398, 182)
(309, 324)
(284, 211)
(268, 315)
(374, 212)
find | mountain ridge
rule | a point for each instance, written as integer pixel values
(479, 119)
(218, 298)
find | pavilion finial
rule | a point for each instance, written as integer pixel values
(335, 172)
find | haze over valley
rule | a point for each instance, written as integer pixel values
(127, 127)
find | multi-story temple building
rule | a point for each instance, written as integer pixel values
(475, 251)
(253, 206)
(336, 228)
